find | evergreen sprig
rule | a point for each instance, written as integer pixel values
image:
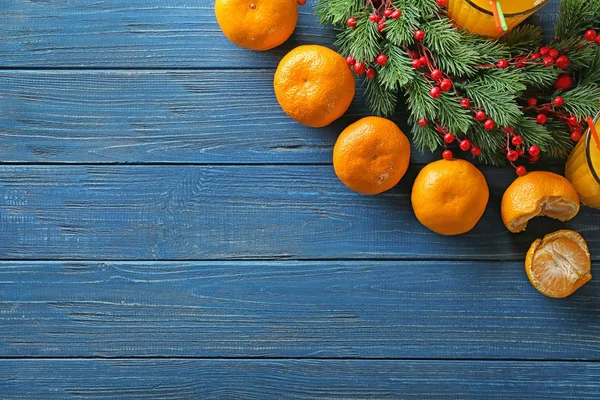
(473, 65)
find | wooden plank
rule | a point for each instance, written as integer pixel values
(157, 116)
(291, 309)
(237, 212)
(297, 379)
(133, 34)
(142, 34)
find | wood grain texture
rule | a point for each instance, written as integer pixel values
(142, 34)
(237, 212)
(158, 116)
(297, 379)
(291, 309)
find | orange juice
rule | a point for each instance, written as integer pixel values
(477, 17)
(583, 168)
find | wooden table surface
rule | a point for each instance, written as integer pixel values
(167, 232)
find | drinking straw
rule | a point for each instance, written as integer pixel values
(592, 127)
(494, 6)
(501, 16)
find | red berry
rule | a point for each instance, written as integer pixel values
(465, 103)
(532, 101)
(445, 84)
(559, 101)
(534, 151)
(489, 124)
(435, 92)
(572, 120)
(301, 2)
(419, 35)
(521, 152)
(371, 73)
(396, 14)
(442, 3)
(381, 59)
(439, 129)
(541, 119)
(413, 54)
(465, 145)
(521, 171)
(597, 40)
(533, 159)
(535, 56)
(480, 116)
(381, 26)
(449, 138)
(591, 35)
(548, 61)
(563, 82)
(476, 151)
(553, 53)
(576, 136)
(512, 155)
(350, 60)
(516, 140)
(360, 68)
(562, 62)
(388, 12)
(374, 18)
(424, 61)
(509, 130)
(351, 22)
(502, 63)
(436, 75)
(522, 62)
(423, 122)
(447, 155)
(416, 63)
(544, 51)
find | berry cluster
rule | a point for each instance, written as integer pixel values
(449, 138)
(379, 15)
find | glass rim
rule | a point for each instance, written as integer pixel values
(588, 154)
(520, 14)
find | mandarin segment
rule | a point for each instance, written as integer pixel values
(314, 85)
(371, 155)
(257, 24)
(559, 264)
(450, 196)
(538, 193)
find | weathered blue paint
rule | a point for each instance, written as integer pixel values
(223, 177)
(298, 379)
(238, 212)
(327, 309)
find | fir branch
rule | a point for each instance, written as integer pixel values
(382, 101)
(398, 70)
(561, 145)
(490, 142)
(499, 105)
(523, 38)
(507, 80)
(426, 138)
(362, 42)
(539, 76)
(420, 103)
(400, 32)
(574, 18)
(451, 114)
(533, 134)
(338, 11)
(591, 75)
(582, 101)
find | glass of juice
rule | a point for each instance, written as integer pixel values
(583, 168)
(477, 17)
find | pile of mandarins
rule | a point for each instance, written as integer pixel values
(315, 86)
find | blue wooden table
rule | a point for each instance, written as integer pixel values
(167, 232)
